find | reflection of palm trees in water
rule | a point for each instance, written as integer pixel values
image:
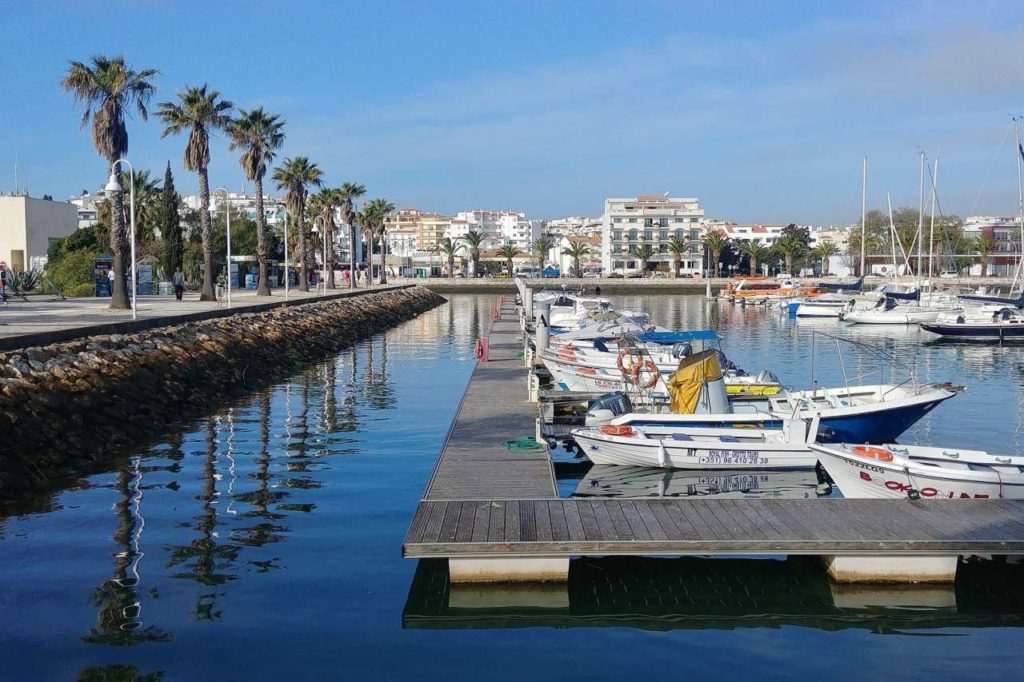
(379, 394)
(119, 620)
(266, 529)
(330, 372)
(208, 562)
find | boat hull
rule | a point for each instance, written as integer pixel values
(977, 332)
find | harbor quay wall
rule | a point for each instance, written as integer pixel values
(65, 407)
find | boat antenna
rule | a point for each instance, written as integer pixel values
(863, 212)
(1019, 154)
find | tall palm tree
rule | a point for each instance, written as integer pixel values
(109, 89)
(323, 204)
(293, 175)
(824, 251)
(258, 135)
(576, 250)
(201, 112)
(715, 241)
(756, 252)
(449, 249)
(474, 240)
(643, 253)
(541, 246)
(349, 192)
(790, 247)
(377, 211)
(678, 247)
(985, 245)
(147, 194)
(508, 252)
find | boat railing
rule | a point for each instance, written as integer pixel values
(865, 350)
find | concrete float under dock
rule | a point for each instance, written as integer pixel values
(495, 514)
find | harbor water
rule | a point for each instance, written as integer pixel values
(262, 541)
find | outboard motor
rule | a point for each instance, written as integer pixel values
(766, 377)
(607, 407)
(682, 350)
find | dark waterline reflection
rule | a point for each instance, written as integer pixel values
(262, 542)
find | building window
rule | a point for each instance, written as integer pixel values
(648, 222)
(663, 235)
(679, 220)
(663, 248)
(648, 234)
(663, 222)
(632, 220)
(632, 235)
(680, 235)
(694, 220)
(617, 235)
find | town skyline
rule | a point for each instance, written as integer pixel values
(764, 114)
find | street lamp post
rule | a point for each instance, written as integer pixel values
(227, 213)
(286, 255)
(114, 187)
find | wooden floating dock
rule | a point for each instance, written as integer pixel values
(495, 514)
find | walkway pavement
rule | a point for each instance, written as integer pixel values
(44, 320)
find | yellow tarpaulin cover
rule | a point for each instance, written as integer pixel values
(685, 383)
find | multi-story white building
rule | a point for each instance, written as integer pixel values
(573, 226)
(87, 205)
(654, 220)
(519, 231)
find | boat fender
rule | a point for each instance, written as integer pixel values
(868, 452)
(652, 371)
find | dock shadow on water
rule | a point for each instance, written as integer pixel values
(721, 594)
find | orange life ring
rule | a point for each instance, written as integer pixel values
(620, 362)
(650, 368)
(881, 454)
(617, 430)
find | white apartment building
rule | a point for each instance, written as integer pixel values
(573, 226)
(518, 230)
(655, 220)
(87, 205)
(27, 226)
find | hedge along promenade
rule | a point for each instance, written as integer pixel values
(64, 406)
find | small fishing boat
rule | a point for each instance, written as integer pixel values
(897, 471)
(711, 447)
(765, 288)
(984, 324)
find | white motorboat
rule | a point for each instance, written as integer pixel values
(716, 447)
(826, 305)
(897, 471)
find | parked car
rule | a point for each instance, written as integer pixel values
(948, 274)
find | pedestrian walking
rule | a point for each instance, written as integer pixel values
(178, 279)
(3, 281)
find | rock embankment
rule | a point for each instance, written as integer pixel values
(64, 406)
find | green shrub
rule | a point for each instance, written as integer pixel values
(80, 291)
(74, 268)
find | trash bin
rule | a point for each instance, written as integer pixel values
(250, 281)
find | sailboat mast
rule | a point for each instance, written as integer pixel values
(863, 212)
(920, 222)
(892, 236)
(931, 237)
(1019, 152)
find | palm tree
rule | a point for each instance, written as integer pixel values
(678, 248)
(508, 252)
(541, 246)
(322, 205)
(449, 249)
(201, 112)
(576, 250)
(756, 252)
(374, 219)
(474, 240)
(790, 246)
(824, 251)
(293, 175)
(715, 241)
(147, 194)
(643, 253)
(985, 245)
(349, 192)
(109, 88)
(258, 135)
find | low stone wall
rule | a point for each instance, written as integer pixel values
(63, 406)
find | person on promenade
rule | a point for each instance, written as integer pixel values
(3, 281)
(178, 279)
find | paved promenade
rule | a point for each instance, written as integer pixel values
(43, 320)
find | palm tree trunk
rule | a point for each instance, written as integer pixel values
(383, 255)
(451, 267)
(329, 235)
(303, 279)
(718, 266)
(753, 267)
(119, 298)
(206, 230)
(263, 287)
(789, 264)
(350, 221)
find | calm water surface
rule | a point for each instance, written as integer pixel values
(262, 542)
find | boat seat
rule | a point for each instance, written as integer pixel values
(681, 436)
(729, 439)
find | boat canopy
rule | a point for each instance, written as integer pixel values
(914, 295)
(839, 286)
(685, 384)
(667, 338)
(995, 300)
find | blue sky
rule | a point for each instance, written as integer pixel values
(762, 110)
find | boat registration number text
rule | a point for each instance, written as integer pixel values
(731, 457)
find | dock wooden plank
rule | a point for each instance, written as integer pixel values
(573, 519)
(511, 522)
(713, 519)
(602, 512)
(543, 521)
(590, 528)
(527, 521)
(450, 524)
(432, 532)
(618, 518)
(496, 522)
(559, 529)
(636, 523)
